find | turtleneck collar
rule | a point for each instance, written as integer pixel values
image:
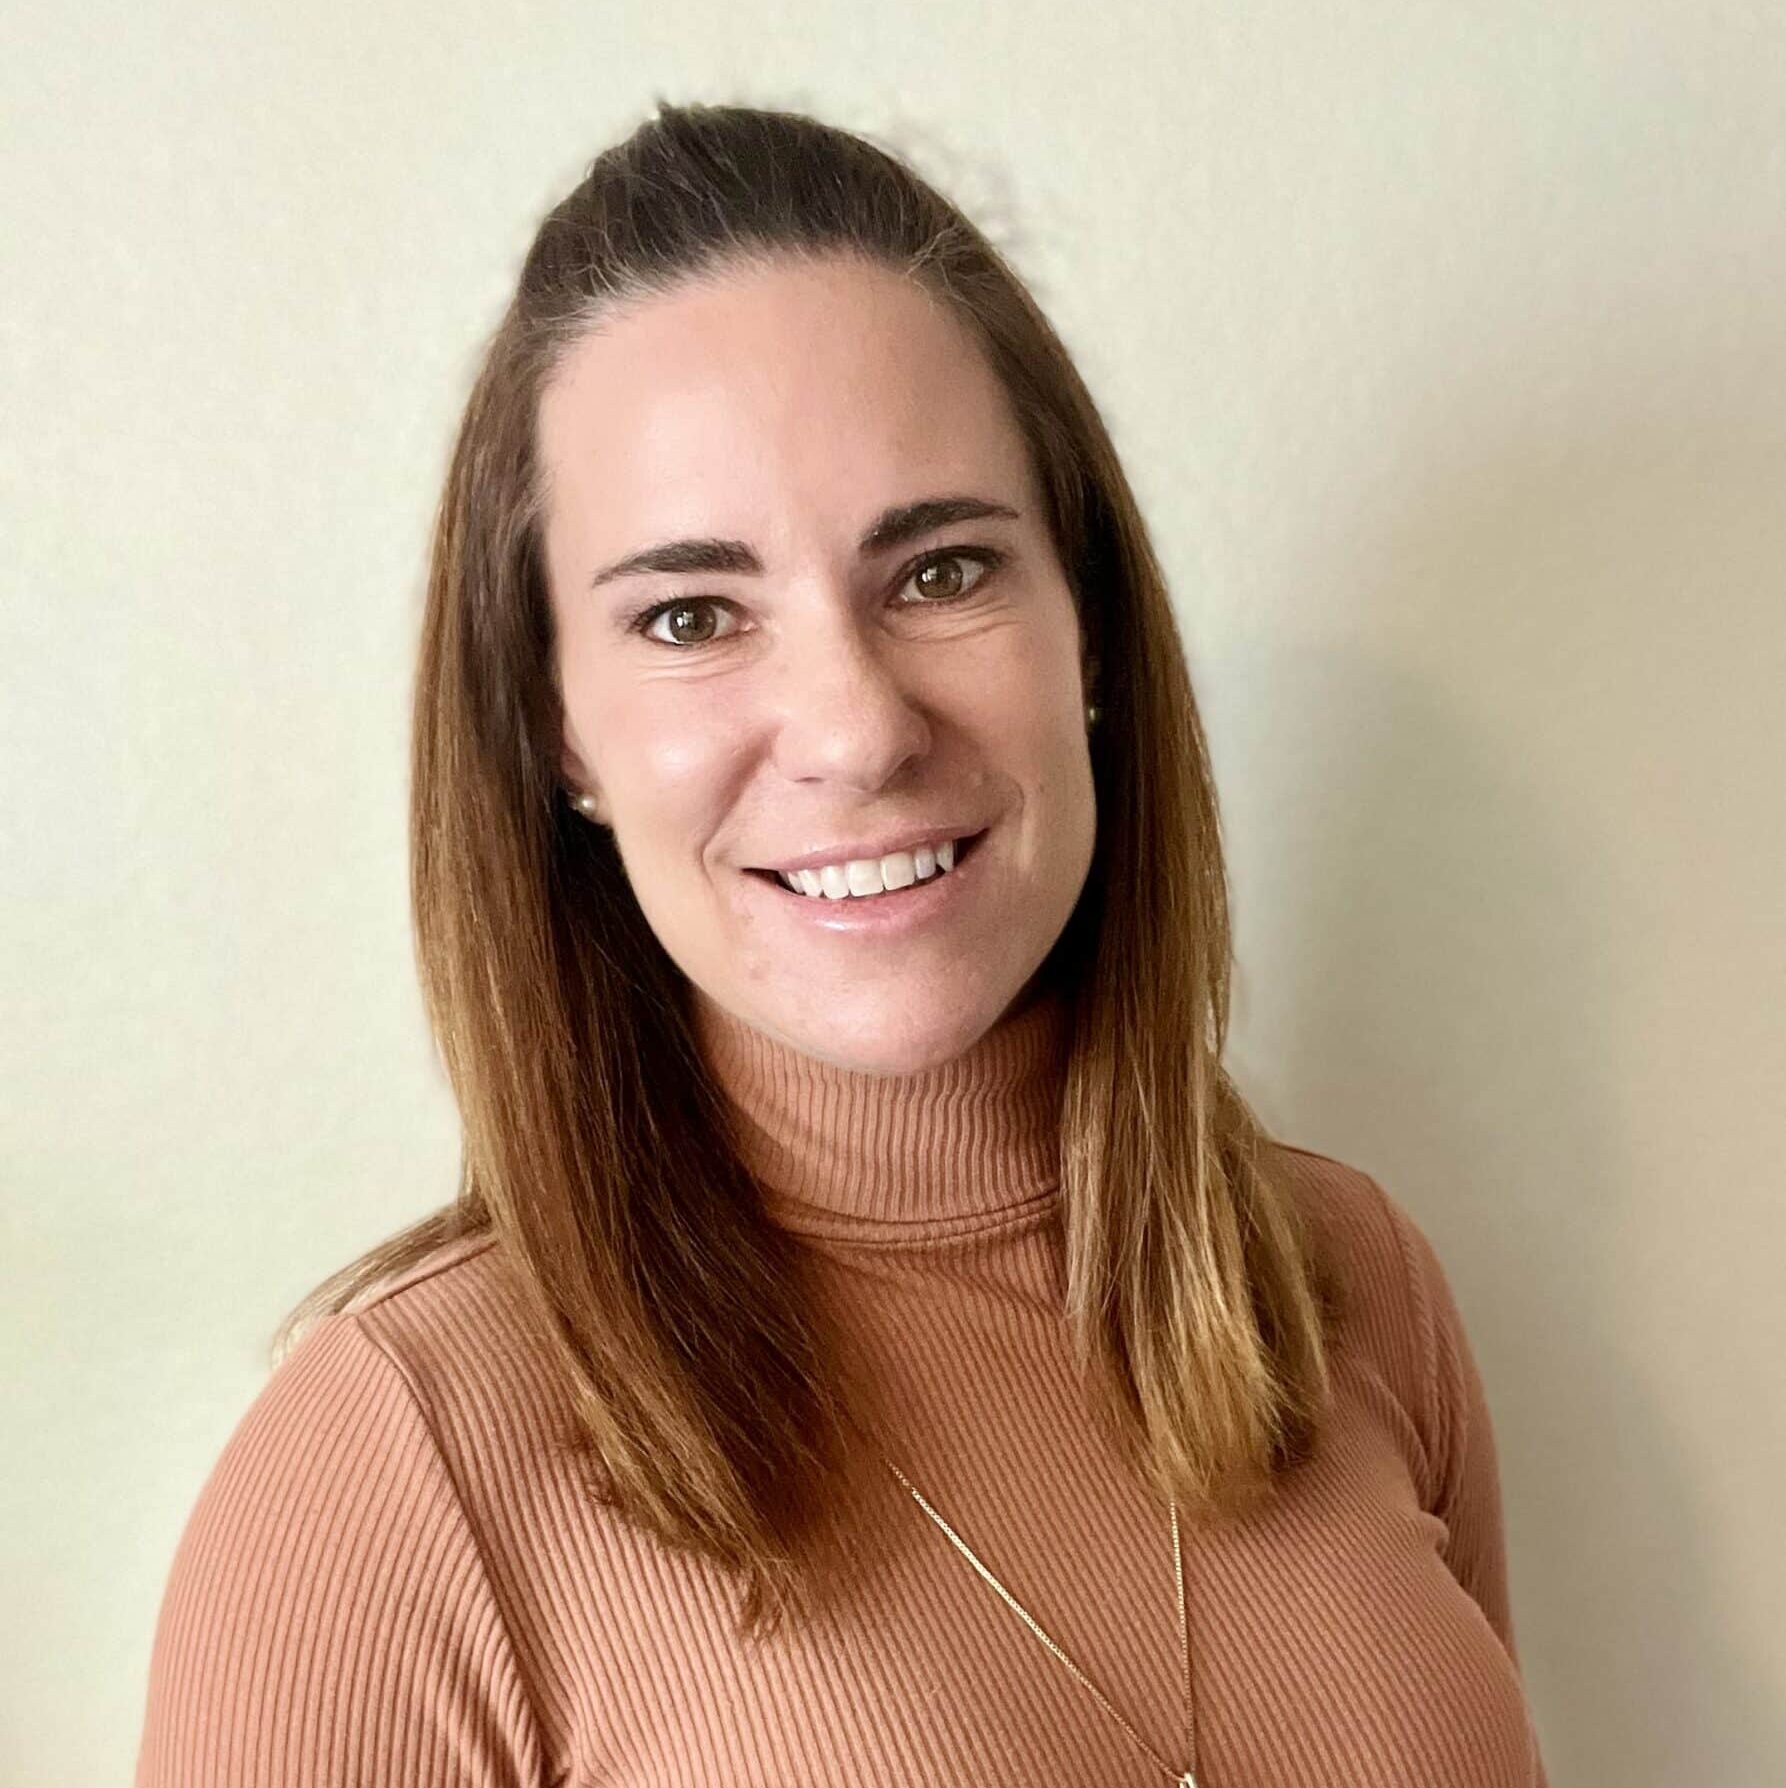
(953, 1149)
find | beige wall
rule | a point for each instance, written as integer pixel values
(1447, 348)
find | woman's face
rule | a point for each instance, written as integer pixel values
(835, 673)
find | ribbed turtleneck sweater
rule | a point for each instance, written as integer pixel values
(392, 1577)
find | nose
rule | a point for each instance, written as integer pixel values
(846, 711)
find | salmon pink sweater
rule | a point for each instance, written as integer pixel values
(391, 1577)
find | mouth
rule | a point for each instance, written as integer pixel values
(964, 848)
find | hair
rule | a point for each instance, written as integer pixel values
(707, 1403)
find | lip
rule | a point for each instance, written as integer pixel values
(880, 915)
(898, 841)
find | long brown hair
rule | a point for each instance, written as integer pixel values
(595, 1148)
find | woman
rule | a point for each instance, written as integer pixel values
(874, 1342)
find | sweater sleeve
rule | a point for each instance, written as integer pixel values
(328, 1621)
(1465, 1487)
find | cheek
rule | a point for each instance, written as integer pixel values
(1043, 739)
(686, 768)
(670, 768)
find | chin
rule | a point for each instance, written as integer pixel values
(876, 1042)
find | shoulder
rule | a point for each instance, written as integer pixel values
(328, 1565)
(338, 1434)
(1369, 1234)
(1392, 1284)
(352, 1417)
(466, 1342)
(450, 1300)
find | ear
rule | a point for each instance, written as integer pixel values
(580, 786)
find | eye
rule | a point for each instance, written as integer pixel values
(984, 556)
(676, 611)
(678, 608)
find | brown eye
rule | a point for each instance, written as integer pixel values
(939, 579)
(686, 625)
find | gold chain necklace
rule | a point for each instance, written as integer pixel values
(1188, 1779)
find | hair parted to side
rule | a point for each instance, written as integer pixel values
(706, 1403)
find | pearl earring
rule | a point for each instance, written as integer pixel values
(1091, 714)
(585, 805)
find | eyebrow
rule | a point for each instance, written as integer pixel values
(892, 527)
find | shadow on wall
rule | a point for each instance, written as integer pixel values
(1434, 891)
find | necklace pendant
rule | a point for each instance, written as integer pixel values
(1188, 1779)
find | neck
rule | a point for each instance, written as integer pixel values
(968, 1143)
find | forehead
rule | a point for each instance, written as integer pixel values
(795, 393)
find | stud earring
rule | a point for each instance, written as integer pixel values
(1091, 714)
(585, 805)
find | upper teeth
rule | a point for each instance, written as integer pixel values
(872, 875)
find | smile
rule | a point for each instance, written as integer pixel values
(863, 878)
(878, 909)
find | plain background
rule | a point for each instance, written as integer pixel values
(1446, 348)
